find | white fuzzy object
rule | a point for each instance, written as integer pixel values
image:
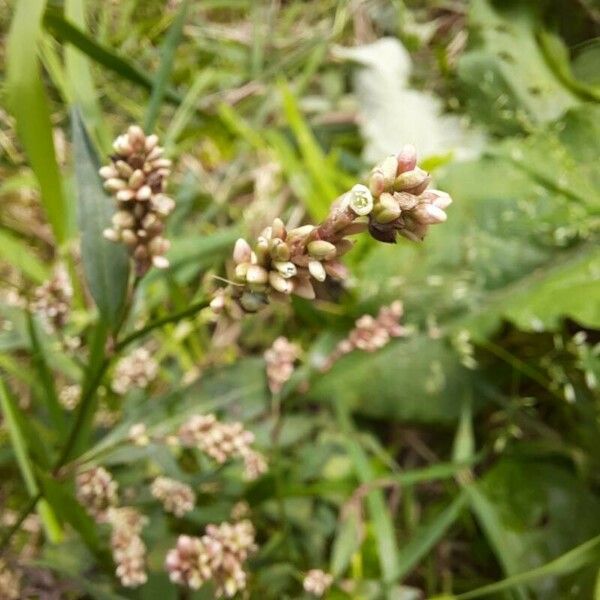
(392, 114)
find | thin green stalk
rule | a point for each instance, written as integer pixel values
(17, 524)
(193, 309)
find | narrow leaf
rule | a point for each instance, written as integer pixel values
(49, 395)
(106, 264)
(28, 102)
(19, 444)
(18, 253)
(428, 535)
(80, 81)
(573, 560)
(166, 64)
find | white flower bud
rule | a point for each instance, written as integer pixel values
(317, 270)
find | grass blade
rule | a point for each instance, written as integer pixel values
(65, 31)
(378, 511)
(18, 253)
(166, 64)
(106, 264)
(428, 535)
(573, 560)
(49, 395)
(19, 444)
(28, 102)
(80, 81)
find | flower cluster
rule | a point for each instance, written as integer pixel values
(222, 442)
(10, 583)
(97, 491)
(137, 178)
(370, 333)
(176, 497)
(52, 300)
(284, 262)
(401, 201)
(69, 396)
(280, 358)
(317, 582)
(218, 556)
(128, 548)
(135, 370)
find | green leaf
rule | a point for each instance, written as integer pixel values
(28, 102)
(346, 543)
(507, 81)
(106, 264)
(417, 379)
(18, 253)
(166, 64)
(531, 511)
(81, 83)
(584, 554)
(65, 31)
(19, 443)
(428, 535)
(383, 525)
(49, 395)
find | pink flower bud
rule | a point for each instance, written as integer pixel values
(407, 159)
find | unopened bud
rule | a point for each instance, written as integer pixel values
(144, 193)
(303, 288)
(280, 283)
(114, 185)
(376, 182)
(317, 270)
(320, 249)
(405, 200)
(414, 181)
(278, 229)
(389, 168)
(136, 179)
(387, 209)
(336, 269)
(407, 159)
(241, 271)
(252, 301)
(256, 274)
(287, 269)
(242, 251)
(279, 250)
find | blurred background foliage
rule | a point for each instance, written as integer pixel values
(474, 441)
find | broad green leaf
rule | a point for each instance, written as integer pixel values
(28, 102)
(415, 380)
(106, 263)
(507, 80)
(166, 64)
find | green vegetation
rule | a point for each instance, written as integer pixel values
(447, 447)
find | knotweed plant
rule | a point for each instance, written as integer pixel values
(284, 260)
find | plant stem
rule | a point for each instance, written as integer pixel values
(28, 508)
(194, 308)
